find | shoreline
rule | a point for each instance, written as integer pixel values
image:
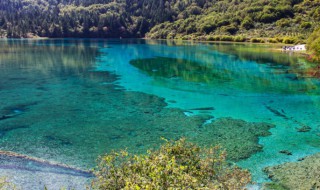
(46, 163)
(304, 53)
(26, 172)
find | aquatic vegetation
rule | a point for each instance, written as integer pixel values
(244, 136)
(304, 174)
(176, 165)
(274, 186)
(15, 110)
(304, 129)
(90, 112)
(56, 141)
(187, 70)
(8, 128)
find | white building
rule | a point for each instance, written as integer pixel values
(295, 48)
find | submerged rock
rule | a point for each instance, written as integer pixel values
(14, 110)
(304, 129)
(238, 137)
(5, 117)
(17, 108)
(304, 174)
(6, 129)
(277, 113)
(57, 140)
(204, 109)
(286, 152)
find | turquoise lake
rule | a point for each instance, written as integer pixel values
(71, 100)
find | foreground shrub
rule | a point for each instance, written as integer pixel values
(176, 165)
(5, 185)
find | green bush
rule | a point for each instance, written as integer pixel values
(247, 23)
(279, 39)
(306, 25)
(207, 28)
(171, 35)
(254, 9)
(257, 40)
(284, 11)
(212, 38)
(289, 40)
(239, 39)
(283, 23)
(176, 165)
(226, 38)
(273, 40)
(187, 37)
(216, 38)
(313, 44)
(231, 29)
(267, 17)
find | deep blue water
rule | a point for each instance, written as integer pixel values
(71, 100)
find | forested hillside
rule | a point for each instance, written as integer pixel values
(185, 19)
(81, 18)
(248, 18)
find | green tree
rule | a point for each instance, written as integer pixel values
(313, 44)
(247, 23)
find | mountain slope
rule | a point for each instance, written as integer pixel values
(158, 18)
(251, 18)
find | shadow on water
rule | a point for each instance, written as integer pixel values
(187, 70)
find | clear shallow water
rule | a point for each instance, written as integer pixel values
(72, 100)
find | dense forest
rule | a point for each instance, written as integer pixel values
(248, 18)
(183, 19)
